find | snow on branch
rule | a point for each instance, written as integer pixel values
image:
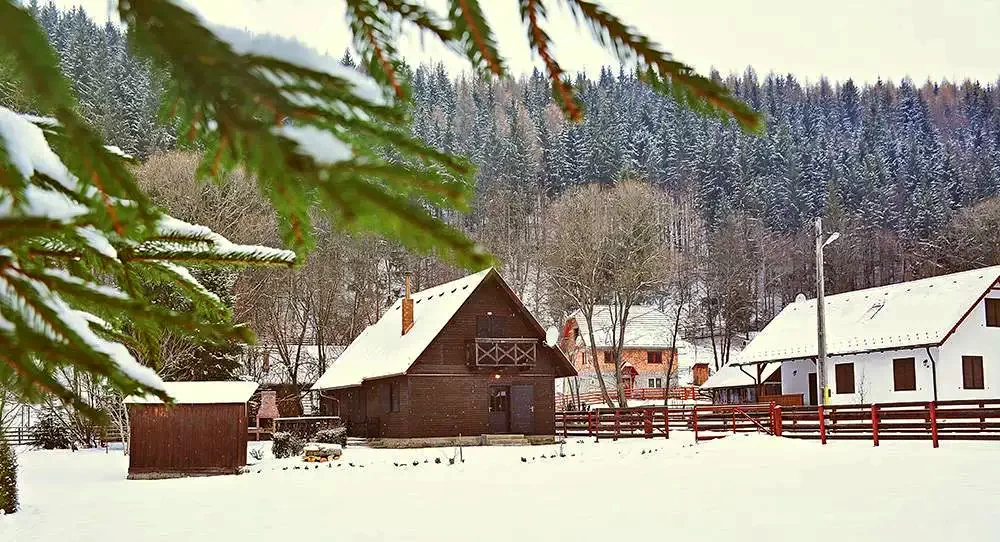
(320, 145)
(28, 151)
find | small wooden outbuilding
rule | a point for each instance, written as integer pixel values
(203, 433)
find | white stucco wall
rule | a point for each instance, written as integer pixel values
(795, 377)
(873, 373)
(972, 338)
(873, 377)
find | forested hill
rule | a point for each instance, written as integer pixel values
(891, 165)
(895, 155)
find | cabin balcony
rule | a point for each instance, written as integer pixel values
(502, 353)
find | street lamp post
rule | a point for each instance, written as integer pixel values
(822, 392)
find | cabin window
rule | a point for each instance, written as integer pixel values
(654, 357)
(845, 377)
(609, 358)
(655, 383)
(972, 373)
(904, 376)
(392, 399)
(491, 325)
(993, 313)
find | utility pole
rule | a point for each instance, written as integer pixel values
(820, 316)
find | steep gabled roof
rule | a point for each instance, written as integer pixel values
(906, 315)
(647, 327)
(382, 350)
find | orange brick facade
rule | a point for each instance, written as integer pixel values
(636, 357)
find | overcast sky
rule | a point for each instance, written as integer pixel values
(859, 39)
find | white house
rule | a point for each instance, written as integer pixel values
(928, 339)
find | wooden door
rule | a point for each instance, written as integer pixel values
(812, 389)
(522, 402)
(499, 421)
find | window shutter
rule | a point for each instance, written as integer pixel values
(904, 375)
(993, 312)
(972, 373)
(385, 396)
(844, 377)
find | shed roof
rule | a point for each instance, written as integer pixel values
(730, 376)
(647, 327)
(905, 315)
(201, 393)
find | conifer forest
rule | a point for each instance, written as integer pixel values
(907, 171)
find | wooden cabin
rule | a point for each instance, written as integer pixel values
(203, 433)
(465, 358)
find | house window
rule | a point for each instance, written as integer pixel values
(491, 326)
(993, 313)
(608, 357)
(904, 376)
(392, 404)
(655, 383)
(972, 372)
(654, 357)
(845, 377)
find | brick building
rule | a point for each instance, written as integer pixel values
(650, 350)
(463, 358)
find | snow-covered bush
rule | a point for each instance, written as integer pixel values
(49, 434)
(337, 435)
(257, 454)
(286, 445)
(8, 478)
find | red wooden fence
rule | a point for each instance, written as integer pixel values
(616, 423)
(933, 421)
(680, 393)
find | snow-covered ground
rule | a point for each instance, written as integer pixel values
(738, 488)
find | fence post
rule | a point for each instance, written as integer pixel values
(590, 422)
(776, 428)
(875, 425)
(822, 424)
(666, 422)
(564, 424)
(694, 422)
(648, 414)
(734, 420)
(934, 429)
(617, 415)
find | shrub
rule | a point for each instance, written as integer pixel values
(286, 445)
(50, 435)
(337, 435)
(8, 479)
(257, 454)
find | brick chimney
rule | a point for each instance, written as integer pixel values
(407, 306)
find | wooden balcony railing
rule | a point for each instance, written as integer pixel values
(495, 352)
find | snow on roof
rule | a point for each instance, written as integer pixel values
(309, 363)
(905, 315)
(201, 393)
(382, 350)
(730, 376)
(646, 327)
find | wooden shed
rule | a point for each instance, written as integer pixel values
(203, 433)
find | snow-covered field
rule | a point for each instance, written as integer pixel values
(742, 487)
